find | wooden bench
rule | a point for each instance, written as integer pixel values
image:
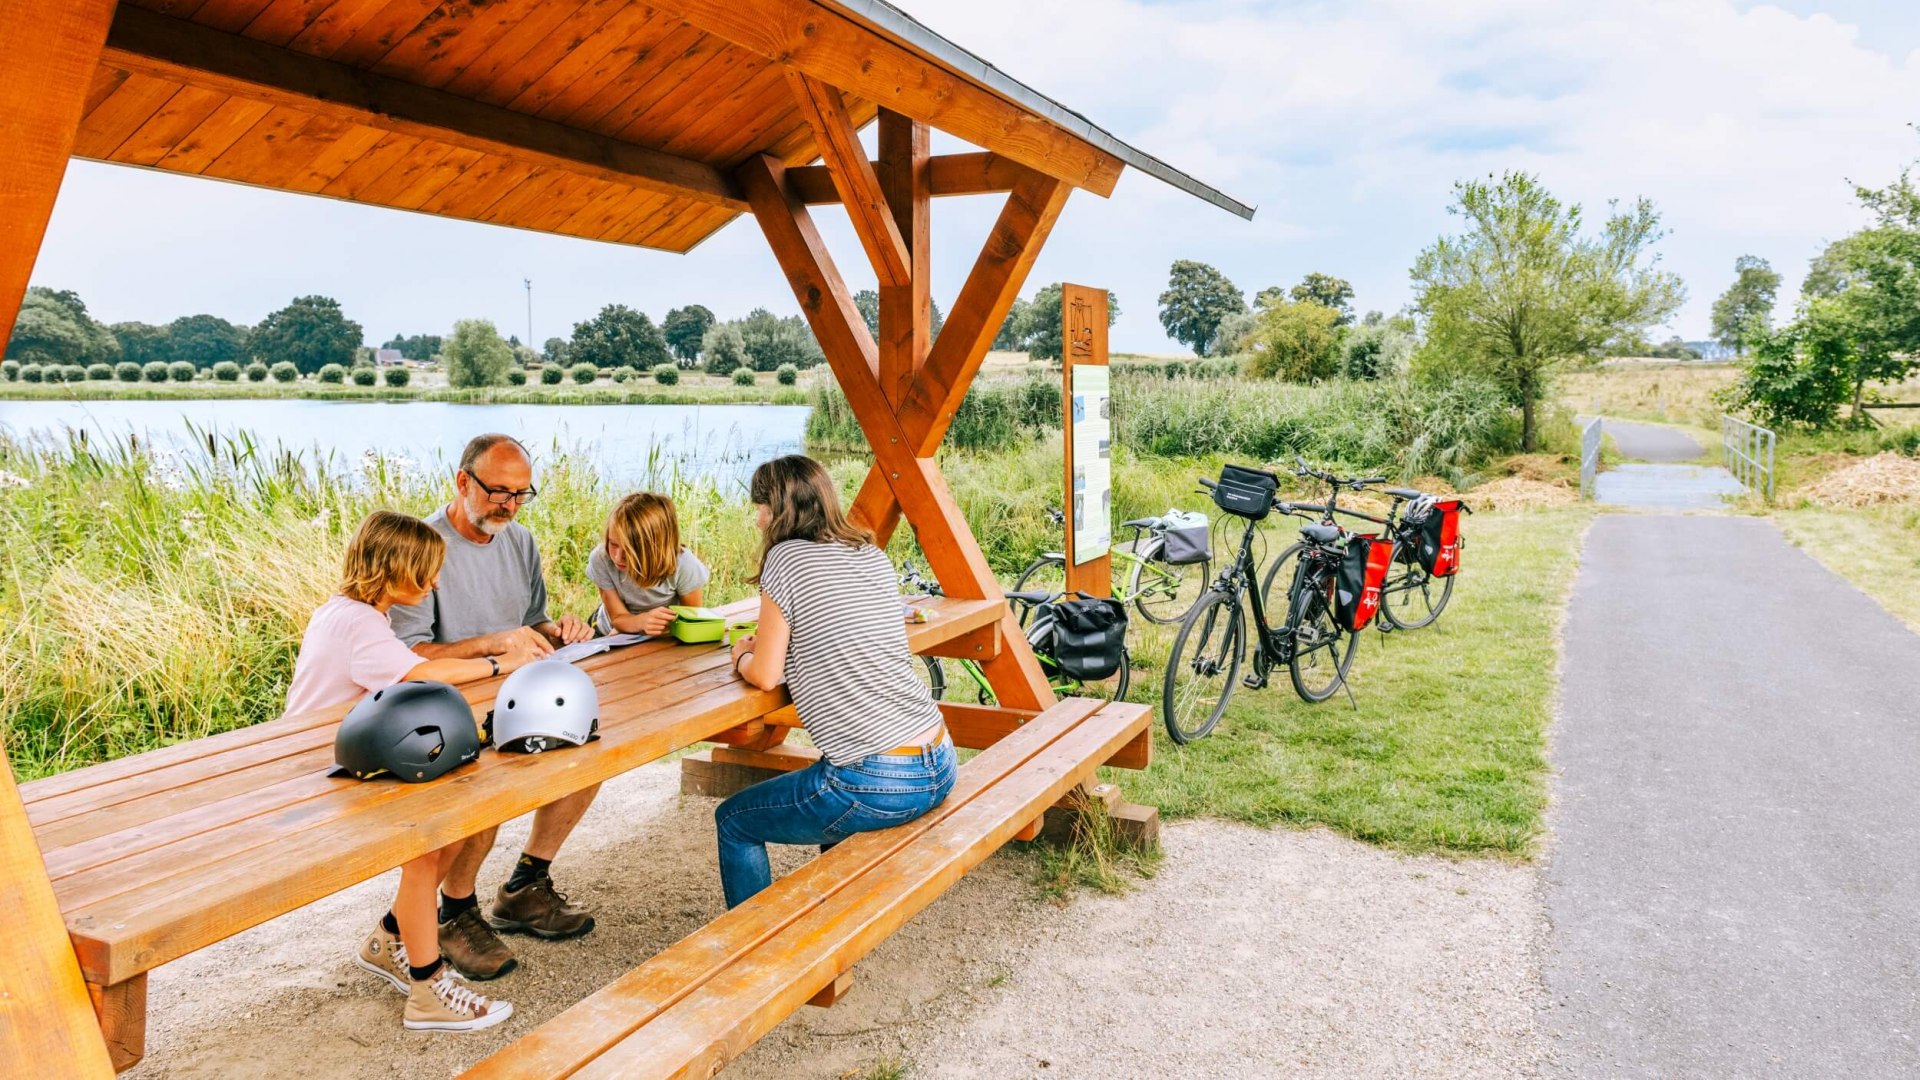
(158, 855)
(700, 1003)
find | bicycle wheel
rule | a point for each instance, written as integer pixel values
(1413, 600)
(1112, 688)
(1322, 651)
(1164, 593)
(933, 675)
(1204, 666)
(1278, 582)
(1047, 572)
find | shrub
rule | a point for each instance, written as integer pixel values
(1040, 405)
(399, 376)
(74, 373)
(256, 372)
(722, 350)
(1296, 342)
(332, 373)
(666, 374)
(1174, 369)
(550, 375)
(787, 374)
(284, 372)
(154, 371)
(624, 373)
(583, 374)
(365, 376)
(33, 373)
(515, 376)
(182, 371)
(10, 370)
(99, 372)
(476, 355)
(226, 371)
(743, 376)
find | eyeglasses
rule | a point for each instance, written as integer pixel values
(503, 496)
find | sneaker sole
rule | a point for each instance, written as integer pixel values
(480, 1023)
(398, 983)
(508, 926)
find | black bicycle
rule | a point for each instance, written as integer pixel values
(1203, 669)
(1413, 595)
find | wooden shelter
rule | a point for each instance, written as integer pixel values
(650, 124)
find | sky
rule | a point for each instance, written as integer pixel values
(1347, 123)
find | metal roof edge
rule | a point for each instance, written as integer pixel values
(912, 32)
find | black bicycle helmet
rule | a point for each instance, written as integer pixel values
(416, 730)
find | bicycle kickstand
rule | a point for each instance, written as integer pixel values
(1348, 687)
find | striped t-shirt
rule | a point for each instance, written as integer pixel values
(848, 667)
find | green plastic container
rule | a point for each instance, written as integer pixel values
(696, 625)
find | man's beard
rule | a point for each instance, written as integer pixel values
(491, 525)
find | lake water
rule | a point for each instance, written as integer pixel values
(625, 441)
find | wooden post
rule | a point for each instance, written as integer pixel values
(1088, 436)
(905, 318)
(52, 47)
(47, 1023)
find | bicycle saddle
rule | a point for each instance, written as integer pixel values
(1402, 493)
(1034, 597)
(1140, 523)
(1319, 534)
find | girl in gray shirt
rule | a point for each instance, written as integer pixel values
(641, 568)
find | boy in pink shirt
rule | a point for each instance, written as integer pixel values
(349, 649)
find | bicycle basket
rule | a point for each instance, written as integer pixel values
(1244, 492)
(1087, 636)
(1185, 540)
(1358, 580)
(1439, 547)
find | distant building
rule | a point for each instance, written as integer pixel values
(388, 358)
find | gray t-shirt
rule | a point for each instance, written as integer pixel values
(484, 588)
(689, 573)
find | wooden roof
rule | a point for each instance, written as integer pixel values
(612, 120)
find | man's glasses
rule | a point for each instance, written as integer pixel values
(503, 496)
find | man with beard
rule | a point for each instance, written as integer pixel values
(490, 596)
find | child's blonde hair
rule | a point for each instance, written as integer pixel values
(388, 552)
(645, 525)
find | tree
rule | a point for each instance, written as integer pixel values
(1745, 311)
(1522, 291)
(1197, 299)
(141, 342)
(1296, 341)
(771, 341)
(1376, 349)
(1041, 331)
(1008, 339)
(556, 351)
(723, 350)
(205, 340)
(476, 355)
(685, 329)
(1327, 291)
(867, 303)
(619, 337)
(309, 333)
(53, 327)
(418, 347)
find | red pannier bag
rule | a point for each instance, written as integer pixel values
(1439, 547)
(1362, 573)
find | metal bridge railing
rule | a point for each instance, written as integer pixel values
(1589, 456)
(1747, 452)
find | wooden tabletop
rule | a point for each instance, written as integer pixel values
(163, 853)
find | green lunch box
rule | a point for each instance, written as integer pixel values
(696, 625)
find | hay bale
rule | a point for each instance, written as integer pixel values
(1520, 493)
(1885, 479)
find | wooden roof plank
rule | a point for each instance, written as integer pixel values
(478, 187)
(357, 177)
(383, 189)
(435, 178)
(149, 44)
(231, 16)
(523, 37)
(257, 152)
(327, 166)
(335, 27)
(121, 114)
(182, 113)
(447, 41)
(743, 105)
(644, 78)
(727, 71)
(380, 31)
(280, 23)
(589, 65)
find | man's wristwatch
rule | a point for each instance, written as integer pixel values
(495, 661)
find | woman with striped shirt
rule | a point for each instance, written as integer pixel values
(830, 629)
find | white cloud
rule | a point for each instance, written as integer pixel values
(1346, 123)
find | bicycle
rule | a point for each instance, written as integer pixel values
(1410, 584)
(1203, 668)
(1152, 586)
(1039, 638)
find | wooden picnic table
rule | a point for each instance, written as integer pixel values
(161, 854)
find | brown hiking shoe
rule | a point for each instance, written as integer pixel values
(537, 909)
(470, 944)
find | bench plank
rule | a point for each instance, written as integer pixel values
(594, 1024)
(725, 1015)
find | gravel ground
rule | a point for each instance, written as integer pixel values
(1252, 953)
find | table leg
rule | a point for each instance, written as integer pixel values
(122, 1009)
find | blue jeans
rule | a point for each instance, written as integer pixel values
(824, 804)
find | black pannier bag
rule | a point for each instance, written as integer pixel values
(1089, 635)
(1358, 581)
(1186, 544)
(1245, 492)
(1440, 538)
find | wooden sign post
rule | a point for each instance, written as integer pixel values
(1087, 391)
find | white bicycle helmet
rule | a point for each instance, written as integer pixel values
(1418, 509)
(544, 706)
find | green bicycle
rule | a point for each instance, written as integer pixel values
(1161, 591)
(1039, 636)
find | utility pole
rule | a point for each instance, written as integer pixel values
(529, 284)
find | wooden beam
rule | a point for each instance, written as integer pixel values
(853, 177)
(955, 357)
(145, 43)
(839, 51)
(906, 317)
(975, 173)
(52, 48)
(915, 480)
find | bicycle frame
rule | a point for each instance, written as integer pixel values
(1275, 646)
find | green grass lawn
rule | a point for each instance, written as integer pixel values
(1878, 550)
(1446, 751)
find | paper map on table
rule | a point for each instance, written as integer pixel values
(580, 650)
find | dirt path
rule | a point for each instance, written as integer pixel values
(1252, 953)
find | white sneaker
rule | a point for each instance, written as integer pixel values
(446, 1003)
(386, 956)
